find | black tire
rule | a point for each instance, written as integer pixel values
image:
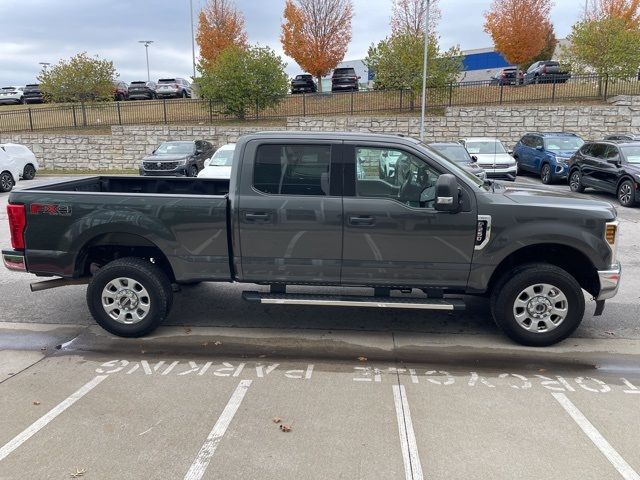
(7, 182)
(192, 171)
(545, 174)
(159, 295)
(510, 289)
(626, 193)
(183, 94)
(29, 172)
(575, 182)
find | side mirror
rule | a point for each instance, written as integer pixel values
(474, 158)
(510, 152)
(447, 196)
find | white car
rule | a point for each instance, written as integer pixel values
(219, 165)
(9, 172)
(492, 157)
(24, 158)
(12, 95)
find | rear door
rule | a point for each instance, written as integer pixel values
(392, 233)
(290, 211)
(593, 158)
(607, 171)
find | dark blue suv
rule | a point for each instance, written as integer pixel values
(547, 154)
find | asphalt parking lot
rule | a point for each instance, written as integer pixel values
(363, 395)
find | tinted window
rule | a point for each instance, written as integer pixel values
(175, 148)
(293, 169)
(455, 153)
(167, 80)
(396, 175)
(527, 141)
(343, 71)
(563, 143)
(586, 150)
(138, 83)
(598, 150)
(612, 152)
(485, 147)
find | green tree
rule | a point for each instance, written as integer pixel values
(245, 79)
(78, 79)
(397, 62)
(606, 45)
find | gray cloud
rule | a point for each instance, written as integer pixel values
(47, 31)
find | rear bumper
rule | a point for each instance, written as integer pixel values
(609, 281)
(14, 260)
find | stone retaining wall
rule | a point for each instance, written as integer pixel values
(127, 144)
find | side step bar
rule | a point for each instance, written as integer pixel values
(449, 304)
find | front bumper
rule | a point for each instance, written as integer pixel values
(560, 170)
(609, 282)
(178, 172)
(509, 173)
(14, 260)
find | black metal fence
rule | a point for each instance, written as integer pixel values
(69, 116)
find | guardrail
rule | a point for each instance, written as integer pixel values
(80, 115)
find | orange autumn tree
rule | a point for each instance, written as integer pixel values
(316, 34)
(627, 10)
(519, 28)
(408, 16)
(220, 25)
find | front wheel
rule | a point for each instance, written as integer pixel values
(575, 182)
(626, 194)
(537, 304)
(129, 297)
(545, 174)
(6, 182)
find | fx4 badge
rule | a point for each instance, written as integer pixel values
(50, 209)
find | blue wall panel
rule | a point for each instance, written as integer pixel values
(484, 61)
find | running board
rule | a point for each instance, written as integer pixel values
(449, 304)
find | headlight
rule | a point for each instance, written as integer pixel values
(563, 160)
(182, 162)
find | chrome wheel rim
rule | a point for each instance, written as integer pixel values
(625, 194)
(126, 300)
(575, 181)
(6, 181)
(540, 308)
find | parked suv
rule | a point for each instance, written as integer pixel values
(546, 72)
(12, 95)
(142, 90)
(173, 87)
(303, 84)
(492, 157)
(32, 94)
(181, 158)
(344, 79)
(508, 76)
(612, 167)
(456, 153)
(547, 154)
(121, 91)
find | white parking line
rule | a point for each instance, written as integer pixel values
(203, 458)
(39, 424)
(412, 467)
(596, 437)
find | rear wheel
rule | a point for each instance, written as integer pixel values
(6, 182)
(183, 94)
(537, 304)
(626, 194)
(129, 297)
(545, 174)
(575, 182)
(192, 171)
(29, 172)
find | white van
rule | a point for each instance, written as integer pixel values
(9, 172)
(24, 158)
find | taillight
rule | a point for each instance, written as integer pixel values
(17, 224)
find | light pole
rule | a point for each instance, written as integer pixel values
(424, 70)
(146, 44)
(193, 44)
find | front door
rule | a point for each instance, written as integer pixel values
(392, 233)
(290, 212)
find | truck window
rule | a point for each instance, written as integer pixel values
(292, 169)
(396, 175)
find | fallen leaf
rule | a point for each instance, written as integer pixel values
(276, 419)
(79, 473)
(285, 428)
(35, 402)
(187, 329)
(217, 342)
(362, 359)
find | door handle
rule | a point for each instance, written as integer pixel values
(255, 216)
(361, 221)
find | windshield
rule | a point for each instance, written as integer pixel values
(632, 154)
(485, 147)
(455, 153)
(453, 166)
(222, 158)
(563, 143)
(167, 80)
(175, 148)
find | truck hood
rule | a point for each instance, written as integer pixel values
(542, 197)
(164, 158)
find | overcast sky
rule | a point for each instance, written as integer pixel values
(49, 30)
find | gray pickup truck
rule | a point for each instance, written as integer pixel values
(320, 209)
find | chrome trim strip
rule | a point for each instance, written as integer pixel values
(609, 282)
(348, 303)
(14, 262)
